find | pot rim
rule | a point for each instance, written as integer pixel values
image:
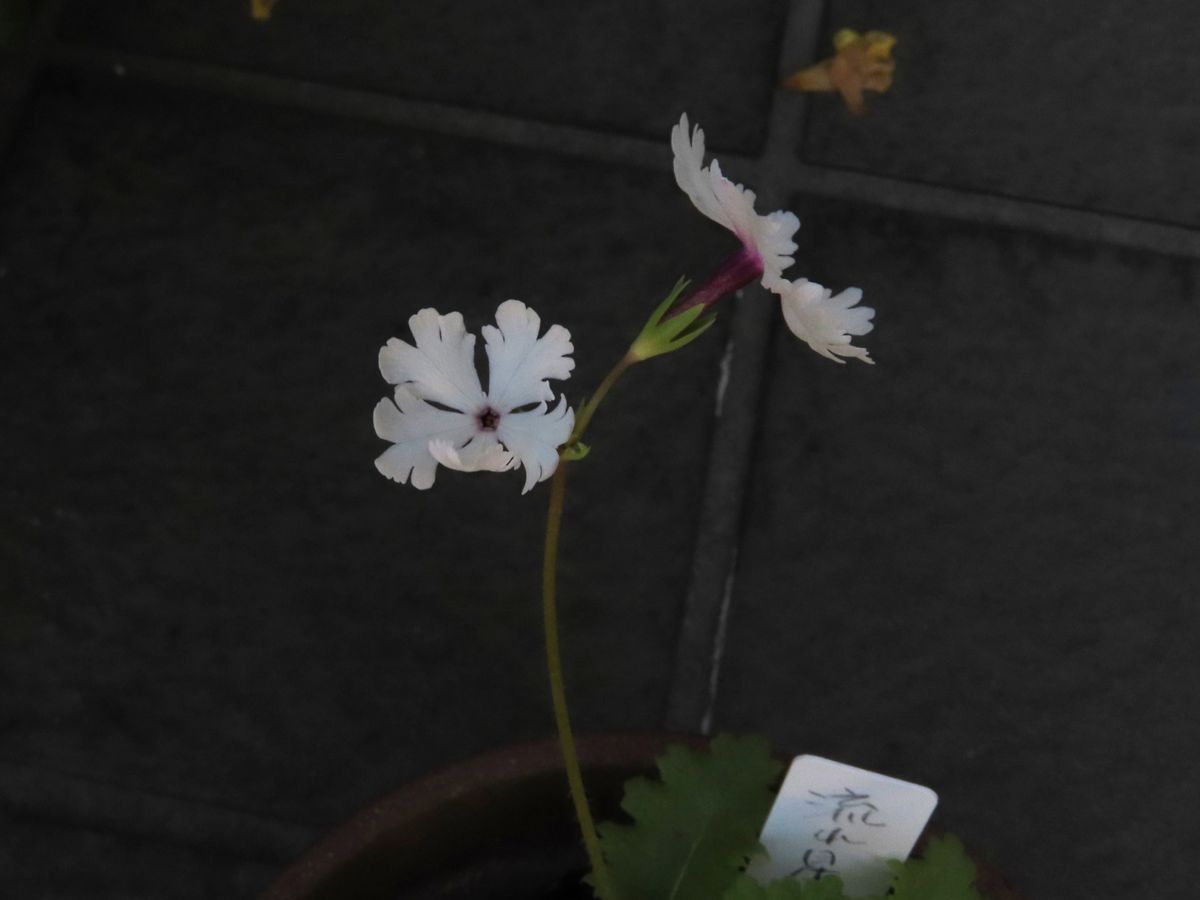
(446, 797)
(407, 807)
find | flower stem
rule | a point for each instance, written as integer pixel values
(562, 718)
(589, 408)
(558, 692)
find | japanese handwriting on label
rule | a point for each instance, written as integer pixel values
(833, 819)
(842, 815)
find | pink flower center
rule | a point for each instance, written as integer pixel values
(488, 419)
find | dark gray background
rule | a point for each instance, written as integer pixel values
(971, 565)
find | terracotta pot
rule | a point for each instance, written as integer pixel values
(498, 826)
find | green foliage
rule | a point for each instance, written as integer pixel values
(943, 872)
(746, 888)
(694, 830)
(662, 334)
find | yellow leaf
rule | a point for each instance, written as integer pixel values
(863, 62)
(845, 37)
(261, 9)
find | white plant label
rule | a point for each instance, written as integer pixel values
(834, 819)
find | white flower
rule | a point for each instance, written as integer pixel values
(826, 321)
(769, 238)
(441, 414)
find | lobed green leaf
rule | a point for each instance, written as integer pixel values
(694, 831)
(746, 888)
(942, 872)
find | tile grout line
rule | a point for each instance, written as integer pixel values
(716, 534)
(719, 638)
(781, 160)
(691, 701)
(43, 794)
(973, 208)
(372, 106)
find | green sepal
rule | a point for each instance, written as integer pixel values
(660, 336)
(575, 450)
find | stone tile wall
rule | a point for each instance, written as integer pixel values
(969, 565)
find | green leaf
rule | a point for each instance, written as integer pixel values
(943, 872)
(694, 830)
(746, 888)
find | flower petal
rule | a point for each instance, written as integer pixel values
(534, 438)
(690, 175)
(825, 322)
(732, 205)
(483, 454)
(519, 362)
(773, 236)
(441, 367)
(410, 424)
(737, 203)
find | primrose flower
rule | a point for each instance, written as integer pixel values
(824, 320)
(767, 244)
(441, 414)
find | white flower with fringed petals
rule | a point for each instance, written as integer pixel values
(768, 238)
(441, 414)
(825, 320)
